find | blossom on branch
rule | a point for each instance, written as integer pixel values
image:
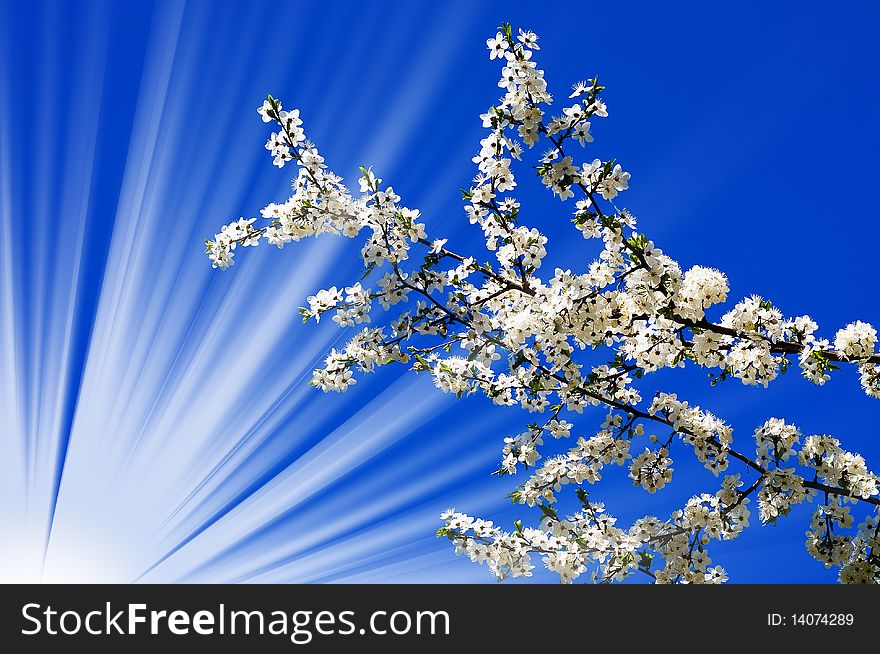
(488, 323)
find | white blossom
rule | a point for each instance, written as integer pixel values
(573, 344)
(856, 341)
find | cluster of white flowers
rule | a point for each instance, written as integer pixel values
(704, 518)
(861, 567)
(354, 310)
(782, 489)
(336, 374)
(709, 435)
(814, 363)
(221, 249)
(776, 441)
(700, 289)
(459, 375)
(823, 543)
(651, 470)
(856, 341)
(521, 449)
(568, 546)
(836, 467)
(859, 572)
(489, 324)
(581, 464)
(869, 376)
(365, 351)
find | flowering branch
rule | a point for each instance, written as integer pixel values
(519, 339)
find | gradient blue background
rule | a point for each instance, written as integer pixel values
(155, 423)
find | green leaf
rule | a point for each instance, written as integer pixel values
(548, 511)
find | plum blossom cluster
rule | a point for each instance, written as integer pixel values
(573, 343)
(856, 341)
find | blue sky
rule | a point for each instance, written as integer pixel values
(154, 420)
